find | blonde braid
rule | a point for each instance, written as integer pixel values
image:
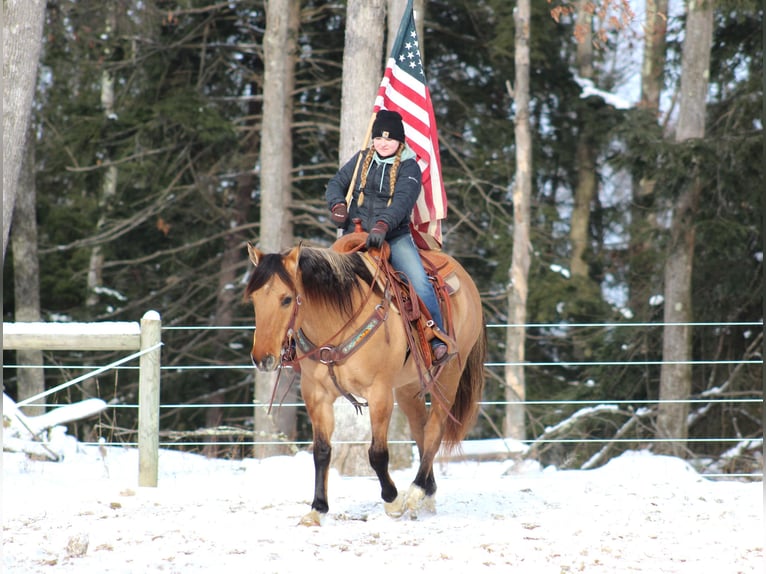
(365, 170)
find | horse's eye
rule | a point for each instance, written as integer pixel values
(287, 300)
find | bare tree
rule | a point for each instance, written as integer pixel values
(643, 216)
(279, 53)
(108, 190)
(515, 386)
(653, 63)
(26, 277)
(22, 41)
(676, 372)
(585, 189)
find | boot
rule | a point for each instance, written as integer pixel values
(443, 347)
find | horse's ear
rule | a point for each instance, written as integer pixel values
(255, 254)
(291, 260)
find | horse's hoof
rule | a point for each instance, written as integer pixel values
(395, 508)
(415, 500)
(429, 504)
(313, 518)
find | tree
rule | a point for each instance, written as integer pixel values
(26, 276)
(586, 187)
(279, 53)
(108, 184)
(22, 40)
(643, 222)
(676, 373)
(515, 389)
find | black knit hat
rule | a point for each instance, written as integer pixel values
(389, 125)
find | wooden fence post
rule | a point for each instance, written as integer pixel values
(149, 400)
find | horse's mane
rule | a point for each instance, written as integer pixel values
(267, 267)
(328, 277)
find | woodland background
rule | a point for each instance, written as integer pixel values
(142, 181)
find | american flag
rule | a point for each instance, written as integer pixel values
(404, 90)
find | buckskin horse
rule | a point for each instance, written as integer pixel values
(330, 314)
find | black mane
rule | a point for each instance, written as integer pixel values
(268, 266)
(328, 277)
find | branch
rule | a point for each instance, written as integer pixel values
(564, 426)
(635, 417)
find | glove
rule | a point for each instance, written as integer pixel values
(377, 235)
(339, 214)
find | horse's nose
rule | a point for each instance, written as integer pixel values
(267, 363)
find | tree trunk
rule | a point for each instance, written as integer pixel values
(108, 192)
(279, 49)
(22, 40)
(395, 12)
(26, 277)
(676, 372)
(236, 201)
(643, 219)
(586, 187)
(515, 386)
(362, 72)
(653, 63)
(109, 181)
(586, 165)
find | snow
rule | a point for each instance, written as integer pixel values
(614, 100)
(102, 328)
(638, 513)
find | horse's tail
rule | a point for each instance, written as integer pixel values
(469, 392)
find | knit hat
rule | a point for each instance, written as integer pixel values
(389, 125)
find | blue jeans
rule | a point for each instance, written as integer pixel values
(406, 259)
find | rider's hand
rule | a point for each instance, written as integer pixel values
(377, 235)
(339, 214)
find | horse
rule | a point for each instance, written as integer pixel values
(331, 314)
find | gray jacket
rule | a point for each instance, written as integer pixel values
(375, 206)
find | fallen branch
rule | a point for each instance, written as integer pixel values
(597, 458)
(567, 424)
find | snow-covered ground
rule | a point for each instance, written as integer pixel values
(639, 513)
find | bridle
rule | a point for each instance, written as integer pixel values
(327, 353)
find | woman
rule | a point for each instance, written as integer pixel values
(386, 189)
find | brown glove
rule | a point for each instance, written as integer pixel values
(339, 214)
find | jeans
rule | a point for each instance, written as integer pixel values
(406, 259)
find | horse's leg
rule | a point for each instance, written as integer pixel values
(423, 488)
(381, 404)
(322, 423)
(413, 406)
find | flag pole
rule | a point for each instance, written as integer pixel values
(365, 142)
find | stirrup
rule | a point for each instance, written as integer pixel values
(445, 338)
(444, 341)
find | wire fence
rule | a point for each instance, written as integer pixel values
(244, 437)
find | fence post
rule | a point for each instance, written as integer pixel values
(149, 400)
